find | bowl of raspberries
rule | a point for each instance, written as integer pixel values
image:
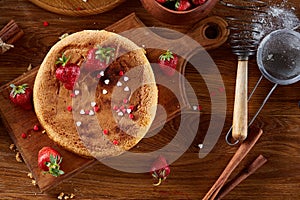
(179, 11)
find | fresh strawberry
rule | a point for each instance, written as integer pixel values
(182, 5)
(49, 161)
(67, 72)
(160, 170)
(168, 62)
(21, 95)
(198, 2)
(99, 58)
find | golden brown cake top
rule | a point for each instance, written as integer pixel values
(110, 109)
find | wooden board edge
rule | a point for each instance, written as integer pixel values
(76, 12)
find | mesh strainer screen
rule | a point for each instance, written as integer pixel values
(279, 57)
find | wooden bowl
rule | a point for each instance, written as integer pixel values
(178, 17)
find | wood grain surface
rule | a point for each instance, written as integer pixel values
(77, 7)
(190, 177)
(29, 149)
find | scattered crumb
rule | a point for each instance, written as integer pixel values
(19, 157)
(33, 182)
(29, 67)
(12, 147)
(44, 131)
(29, 175)
(60, 196)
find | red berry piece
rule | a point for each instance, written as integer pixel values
(23, 135)
(72, 95)
(131, 107)
(69, 108)
(36, 127)
(115, 108)
(221, 89)
(199, 108)
(121, 73)
(105, 131)
(131, 116)
(115, 142)
(45, 23)
(96, 108)
(125, 101)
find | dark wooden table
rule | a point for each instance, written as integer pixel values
(191, 177)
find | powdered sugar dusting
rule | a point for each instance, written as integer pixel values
(280, 16)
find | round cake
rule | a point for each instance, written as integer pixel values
(95, 94)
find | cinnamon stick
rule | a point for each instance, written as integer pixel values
(9, 34)
(253, 167)
(239, 155)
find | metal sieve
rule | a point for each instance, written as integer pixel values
(278, 59)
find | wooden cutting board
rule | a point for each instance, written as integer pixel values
(77, 7)
(18, 121)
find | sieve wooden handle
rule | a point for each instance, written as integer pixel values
(240, 110)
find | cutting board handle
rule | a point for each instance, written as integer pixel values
(210, 32)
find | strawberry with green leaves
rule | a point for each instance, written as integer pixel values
(21, 96)
(49, 161)
(182, 5)
(99, 58)
(168, 62)
(67, 72)
(160, 170)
